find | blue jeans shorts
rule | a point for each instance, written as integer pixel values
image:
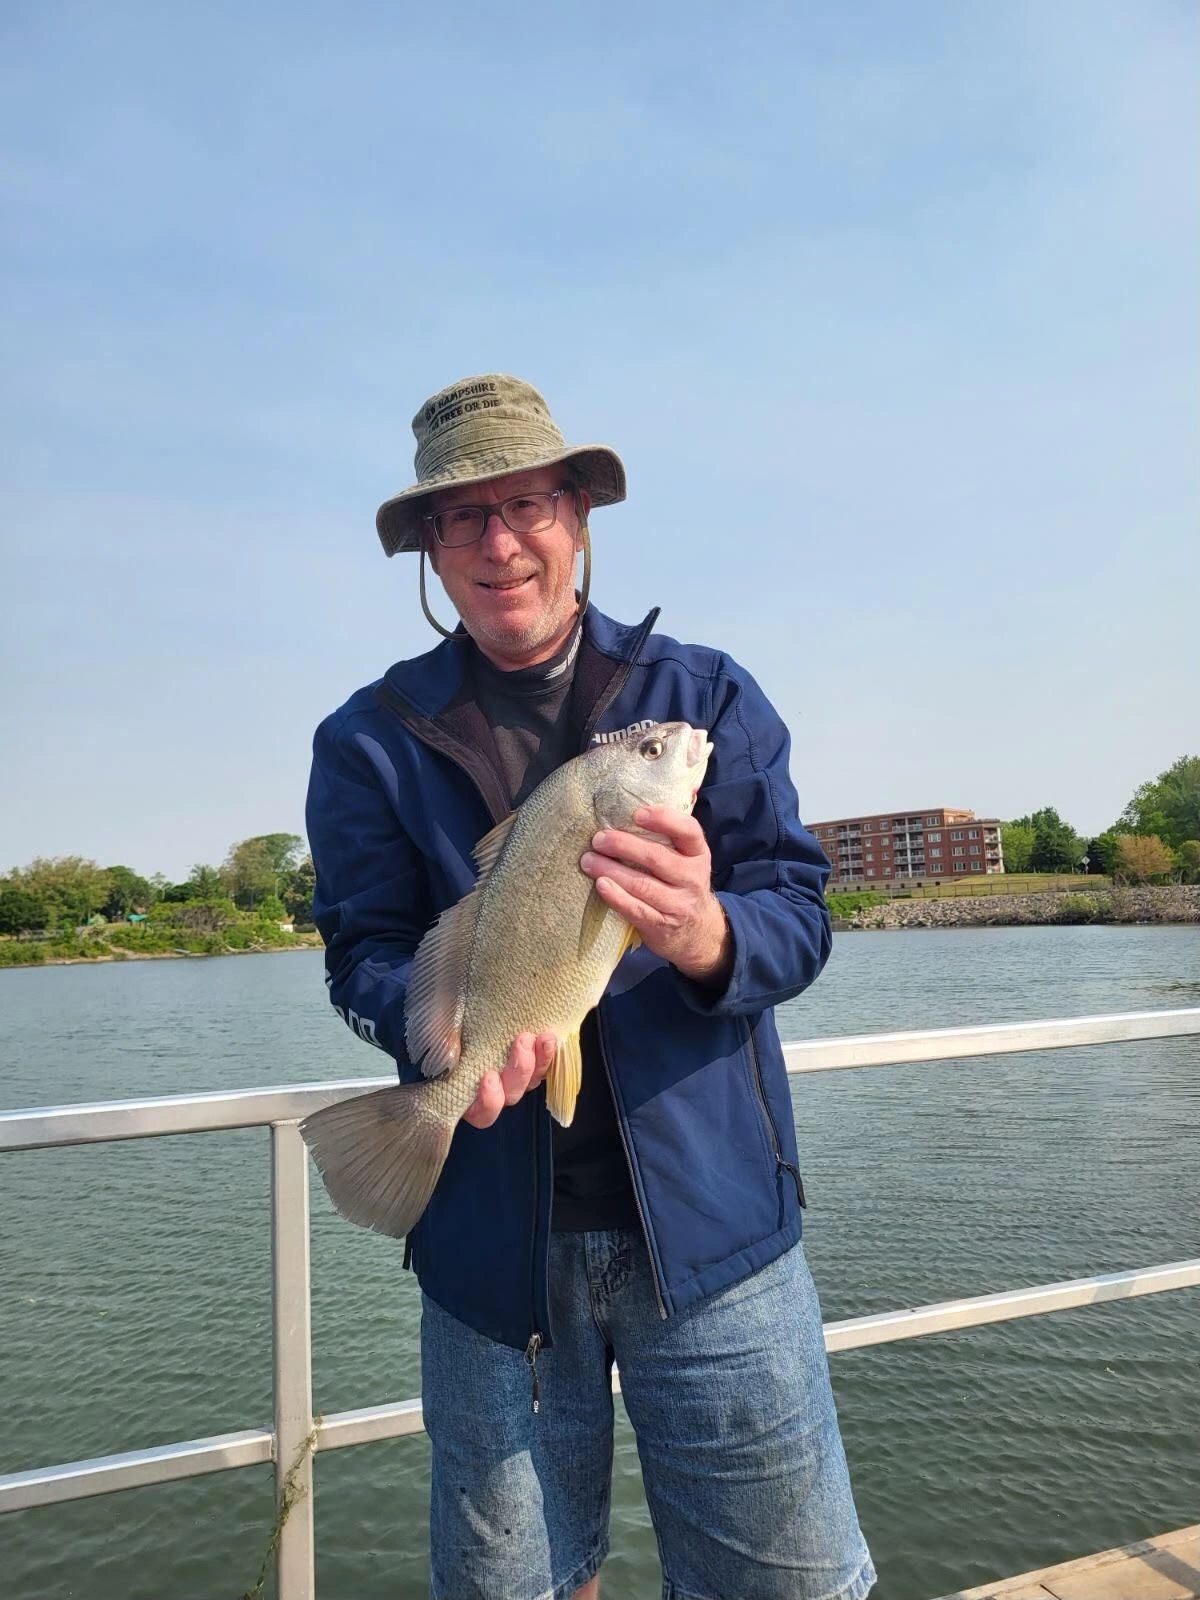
(741, 1457)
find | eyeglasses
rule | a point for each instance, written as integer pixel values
(523, 513)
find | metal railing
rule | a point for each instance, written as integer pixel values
(281, 1109)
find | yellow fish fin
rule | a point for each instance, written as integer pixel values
(564, 1078)
(595, 918)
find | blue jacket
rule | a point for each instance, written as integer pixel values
(402, 788)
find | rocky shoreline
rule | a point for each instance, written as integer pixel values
(1173, 903)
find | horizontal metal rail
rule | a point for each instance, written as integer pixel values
(80, 1479)
(47, 1127)
(57, 1126)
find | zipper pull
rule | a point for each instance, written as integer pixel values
(788, 1167)
(531, 1355)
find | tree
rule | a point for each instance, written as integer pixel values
(206, 882)
(1141, 857)
(127, 892)
(270, 909)
(255, 867)
(1169, 806)
(71, 889)
(1016, 839)
(1102, 853)
(298, 890)
(20, 911)
(1056, 845)
(1189, 860)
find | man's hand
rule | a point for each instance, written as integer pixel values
(665, 890)
(529, 1061)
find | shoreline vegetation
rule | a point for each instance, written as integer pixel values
(93, 946)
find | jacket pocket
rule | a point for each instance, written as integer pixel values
(769, 1124)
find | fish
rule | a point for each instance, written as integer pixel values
(529, 949)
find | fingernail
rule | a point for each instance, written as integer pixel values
(599, 840)
(587, 861)
(641, 817)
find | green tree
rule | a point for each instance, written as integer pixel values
(1016, 840)
(1102, 853)
(270, 909)
(257, 867)
(70, 888)
(1189, 860)
(298, 891)
(1056, 845)
(1169, 806)
(206, 882)
(20, 910)
(127, 892)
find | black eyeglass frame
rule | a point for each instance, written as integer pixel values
(501, 510)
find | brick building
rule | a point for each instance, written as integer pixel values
(910, 846)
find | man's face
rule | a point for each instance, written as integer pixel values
(515, 592)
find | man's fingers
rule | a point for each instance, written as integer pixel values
(519, 1069)
(643, 886)
(489, 1102)
(663, 861)
(642, 916)
(684, 832)
(545, 1047)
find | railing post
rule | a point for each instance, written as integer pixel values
(293, 1361)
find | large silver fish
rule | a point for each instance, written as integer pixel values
(530, 949)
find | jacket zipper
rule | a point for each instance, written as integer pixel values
(462, 756)
(637, 1200)
(761, 1092)
(618, 680)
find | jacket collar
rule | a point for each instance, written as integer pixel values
(430, 683)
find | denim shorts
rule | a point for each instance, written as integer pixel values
(741, 1457)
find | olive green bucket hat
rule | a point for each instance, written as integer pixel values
(483, 428)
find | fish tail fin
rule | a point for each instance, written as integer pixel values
(380, 1155)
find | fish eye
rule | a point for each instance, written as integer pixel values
(651, 749)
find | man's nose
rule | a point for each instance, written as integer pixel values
(497, 538)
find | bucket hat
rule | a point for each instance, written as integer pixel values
(483, 428)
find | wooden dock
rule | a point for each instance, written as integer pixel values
(1165, 1568)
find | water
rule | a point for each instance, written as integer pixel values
(135, 1279)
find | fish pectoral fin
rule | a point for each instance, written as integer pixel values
(564, 1078)
(380, 1155)
(595, 922)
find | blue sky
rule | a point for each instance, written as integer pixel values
(890, 310)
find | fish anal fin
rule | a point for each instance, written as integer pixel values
(631, 941)
(564, 1078)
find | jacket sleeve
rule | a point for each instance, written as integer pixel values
(768, 871)
(371, 902)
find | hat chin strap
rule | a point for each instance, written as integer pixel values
(446, 633)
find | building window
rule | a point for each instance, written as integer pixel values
(975, 850)
(960, 866)
(956, 835)
(870, 855)
(936, 850)
(870, 872)
(934, 838)
(972, 833)
(957, 850)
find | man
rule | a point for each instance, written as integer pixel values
(661, 1228)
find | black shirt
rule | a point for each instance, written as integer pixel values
(533, 730)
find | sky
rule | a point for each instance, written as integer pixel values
(891, 312)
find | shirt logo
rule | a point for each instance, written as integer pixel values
(623, 733)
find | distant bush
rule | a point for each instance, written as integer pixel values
(845, 905)
(1079, 908)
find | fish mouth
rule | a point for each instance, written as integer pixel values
(699, 748)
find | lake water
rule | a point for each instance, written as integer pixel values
(135, 1278)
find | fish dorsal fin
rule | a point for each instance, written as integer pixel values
(487, 851)
(437, 985)
(595, 918)
(563, 1079)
